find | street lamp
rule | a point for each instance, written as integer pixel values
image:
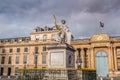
(36, 61)
(24, 74)
(36, 58)
(79, 62)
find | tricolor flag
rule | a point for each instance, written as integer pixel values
(101, 24)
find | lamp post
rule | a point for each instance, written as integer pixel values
(24, 74)
(36, 58)
(79, 63)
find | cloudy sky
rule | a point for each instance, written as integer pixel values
(19, 17)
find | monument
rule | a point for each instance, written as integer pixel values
(61, 55)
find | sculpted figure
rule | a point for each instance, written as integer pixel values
(64, 34)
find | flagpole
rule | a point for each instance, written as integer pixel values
(101, 30)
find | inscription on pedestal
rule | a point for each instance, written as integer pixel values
(57, 58)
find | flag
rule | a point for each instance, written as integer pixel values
(101, 24)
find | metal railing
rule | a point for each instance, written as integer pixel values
(56, 74)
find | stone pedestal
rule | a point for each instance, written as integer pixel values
(61, 56)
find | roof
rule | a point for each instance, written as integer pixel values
(16, 39)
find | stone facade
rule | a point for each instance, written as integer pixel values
(32, 51)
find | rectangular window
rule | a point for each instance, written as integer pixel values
(3, 50)
(25, 59)
(36, 49)
(16, 70)
(3, 60)
(17, 59)
(11, 50)
(35, 59)
(10, 60)
(44, 48)
(25, 49)
(44, 38)
(43, 59)
(18, 50)
(54, 36)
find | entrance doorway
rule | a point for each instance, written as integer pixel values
(9, 71)
(1, 71)
(101, 64)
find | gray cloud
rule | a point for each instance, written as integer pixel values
(82, 16)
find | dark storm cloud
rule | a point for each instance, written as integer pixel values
(91, 6)
(103, 6)
(82, 16)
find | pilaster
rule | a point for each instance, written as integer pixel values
(89, 58)
(82, 57)
(115, 58)
(92, 58)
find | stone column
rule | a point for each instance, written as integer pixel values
(12, 71)
(111, 52)
(109, 59)
(82, 57)
(89, 58)
(115, 58)
(92, 58)
(86, 57)
(5, 70)
(6, 63)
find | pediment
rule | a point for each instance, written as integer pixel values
(100, 37)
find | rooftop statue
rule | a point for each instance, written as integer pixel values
(64, 35)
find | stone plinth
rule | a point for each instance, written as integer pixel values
(61, 56)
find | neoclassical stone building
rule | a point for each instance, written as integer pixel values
(101, 52)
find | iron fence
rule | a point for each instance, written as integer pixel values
(56, 74)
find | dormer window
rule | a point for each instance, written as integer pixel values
(46, 28)
(36, 30)
(20, 40)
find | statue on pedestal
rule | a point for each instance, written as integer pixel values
(64, 35)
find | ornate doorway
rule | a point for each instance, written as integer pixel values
(101, 64)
